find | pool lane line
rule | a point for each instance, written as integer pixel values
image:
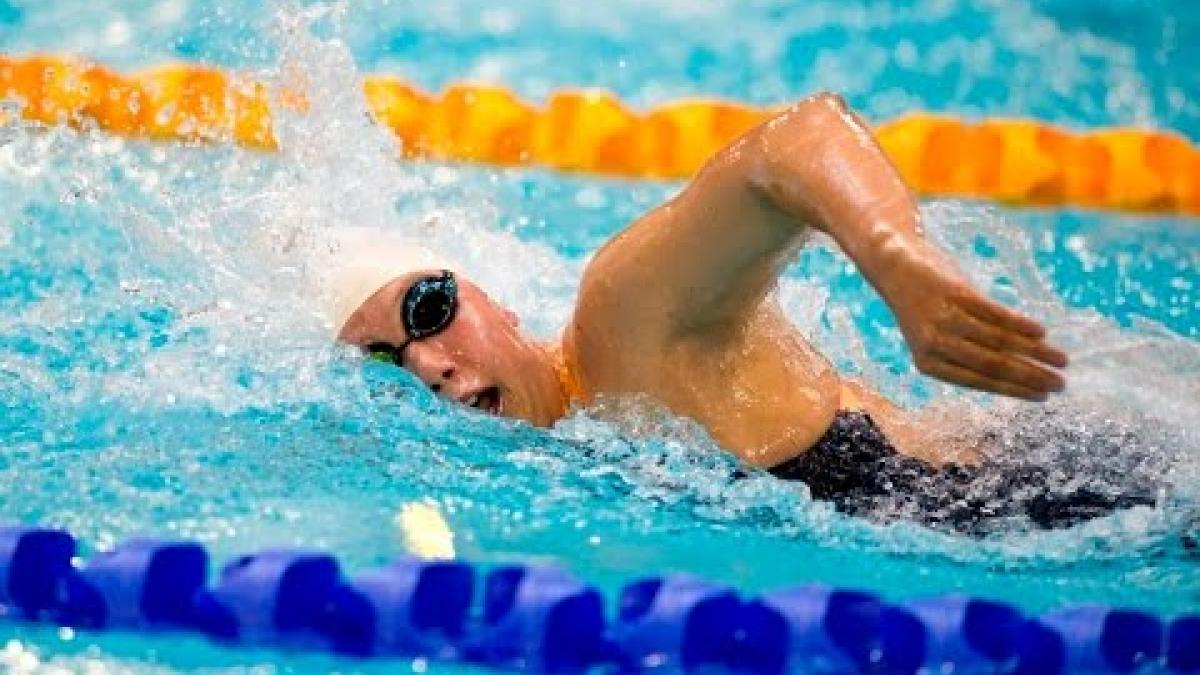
(1017, 162)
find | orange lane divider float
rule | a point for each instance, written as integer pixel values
(1011, 161)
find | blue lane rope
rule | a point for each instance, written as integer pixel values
(542, 619)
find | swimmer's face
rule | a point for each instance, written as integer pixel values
(480, 359)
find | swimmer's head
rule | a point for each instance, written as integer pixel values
(413, 307)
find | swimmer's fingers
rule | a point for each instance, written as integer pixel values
(1001, 339)
(985, 309)
(1000, 370)
(953, 373)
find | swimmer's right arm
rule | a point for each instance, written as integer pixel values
(820, 163)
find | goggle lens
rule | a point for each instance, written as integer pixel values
(429, 305)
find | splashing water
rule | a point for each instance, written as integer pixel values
(164, 371)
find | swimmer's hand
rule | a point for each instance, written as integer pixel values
(959, 335)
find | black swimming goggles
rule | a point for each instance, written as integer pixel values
(428, 307)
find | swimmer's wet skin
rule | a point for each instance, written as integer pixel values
(677, 307)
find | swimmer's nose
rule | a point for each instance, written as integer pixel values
(433, 364)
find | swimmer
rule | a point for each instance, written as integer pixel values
(678, 307)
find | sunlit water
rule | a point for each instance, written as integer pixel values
(162, 369)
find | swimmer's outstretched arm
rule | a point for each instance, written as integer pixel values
(719, 246)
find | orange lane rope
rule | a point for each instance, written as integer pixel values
(1012, 161)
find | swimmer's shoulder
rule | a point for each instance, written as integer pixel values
(627, 292)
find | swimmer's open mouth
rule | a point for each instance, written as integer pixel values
(486, 399)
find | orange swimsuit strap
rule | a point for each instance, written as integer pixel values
(569, 383)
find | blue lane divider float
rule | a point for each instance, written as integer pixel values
(1183, 645)
(812, 628)
(272, 597)
(676, 623)
(1091, 639)
(32, 561)
(410, 608)
(951, 633)
(542, 619)
(144, 583)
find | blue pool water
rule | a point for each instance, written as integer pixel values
(160, 371)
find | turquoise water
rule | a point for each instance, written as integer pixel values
(161, 371)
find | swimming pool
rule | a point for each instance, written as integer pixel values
(160, 374)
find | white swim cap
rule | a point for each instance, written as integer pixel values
(365, 260)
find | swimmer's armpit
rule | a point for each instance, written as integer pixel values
(819, 162)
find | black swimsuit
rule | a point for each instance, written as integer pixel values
(854, 466)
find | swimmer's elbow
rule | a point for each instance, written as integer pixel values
(815, 111)
(805, 128)
(780, 163)
(828, 100)
(788, 154)
(804, 123)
